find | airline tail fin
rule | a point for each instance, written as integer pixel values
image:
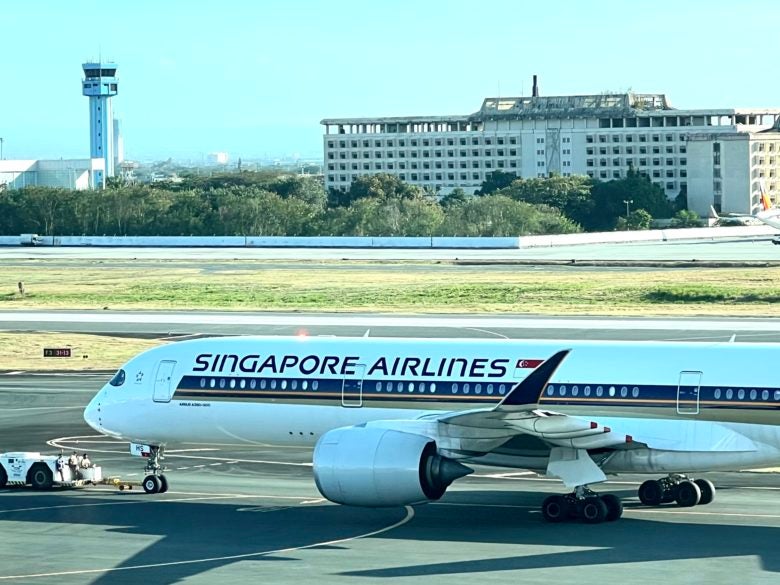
(766, 204)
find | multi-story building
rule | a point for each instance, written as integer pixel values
(731, 171)
(601, 136)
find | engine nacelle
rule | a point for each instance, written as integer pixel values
(365, 466)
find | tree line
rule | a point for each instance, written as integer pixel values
(274, 204)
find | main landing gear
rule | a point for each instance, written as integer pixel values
(677, 488)
(155, 482)
(582, 503)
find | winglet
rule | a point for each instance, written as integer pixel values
(530, 390)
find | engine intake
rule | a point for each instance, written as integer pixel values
(374, 467)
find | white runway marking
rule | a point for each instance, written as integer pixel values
(408, 517)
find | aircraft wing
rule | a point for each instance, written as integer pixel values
(520, 413)
(572, 438)
(770, 217)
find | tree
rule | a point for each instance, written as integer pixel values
(609, 200)
(456, 197)
(379, 186)
(681, 201)
(686, 219)
(571, 195)
(637, 220)
(495, 181)
(498, 215)
(308, 189)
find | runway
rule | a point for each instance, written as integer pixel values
(172, 323)
(252, 514)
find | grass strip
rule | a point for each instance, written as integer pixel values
(24, 351)
(415, 288)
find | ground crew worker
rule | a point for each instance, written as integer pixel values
(61, 467)
(85, 462)
(73, 463)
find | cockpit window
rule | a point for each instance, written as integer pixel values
(118, 379)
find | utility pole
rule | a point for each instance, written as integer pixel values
(628, 211)
(1, 148)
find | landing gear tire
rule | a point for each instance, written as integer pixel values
(651, 493)
(555, 509)
(163, 484)
(687, 494)
(593, 510)
(41, 477)
(707, 491)
(614, 507)
(152, 484)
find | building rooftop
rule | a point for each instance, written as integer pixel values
(570, 106)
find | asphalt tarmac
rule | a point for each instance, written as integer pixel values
(168, 324)
(253, 514)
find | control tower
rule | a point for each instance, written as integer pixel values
(100, 85)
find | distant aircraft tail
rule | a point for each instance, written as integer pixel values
(766, 204)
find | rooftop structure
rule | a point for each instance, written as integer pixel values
(602, 136)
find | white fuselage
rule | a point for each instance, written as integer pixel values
(696, 406)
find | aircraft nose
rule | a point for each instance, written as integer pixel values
(92, 413)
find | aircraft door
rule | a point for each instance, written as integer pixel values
(688, 393)
(163, 388)
(352, 388)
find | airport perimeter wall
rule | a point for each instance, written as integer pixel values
(442, 242)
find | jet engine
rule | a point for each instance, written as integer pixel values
(374, 467)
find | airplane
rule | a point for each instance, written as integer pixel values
(396, 421)
(768, 215)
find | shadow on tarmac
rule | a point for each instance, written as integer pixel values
(189, 532)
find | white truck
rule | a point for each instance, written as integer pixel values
(45, 471)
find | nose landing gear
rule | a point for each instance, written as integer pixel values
(155, 482)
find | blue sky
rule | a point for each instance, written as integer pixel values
(256, 78)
